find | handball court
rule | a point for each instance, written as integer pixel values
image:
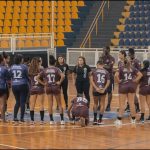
(107, 136)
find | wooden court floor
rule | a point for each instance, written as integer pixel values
(106, 136)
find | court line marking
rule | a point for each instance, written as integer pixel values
(73, 127)
(5, 145)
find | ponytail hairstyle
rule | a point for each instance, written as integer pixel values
(127, 64)
(123, 52)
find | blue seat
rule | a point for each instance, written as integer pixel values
(132, 8)
(121, 35)
(136, 8)
(127, 21)
(132, 14)
(132, 35)
(121, 42)
(126, 35)
(143, 35)
(143, 27)
(144, 42)
(138, 35)
(132, 43)
(132, 28)
(137, 21)
(148, 35)
(127, 42)
(148, 27)
(132, 21)
(127, 28)
(142, 21)
(137, 28)
(138, 42)
(142, 14)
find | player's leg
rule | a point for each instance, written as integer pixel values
(137, 107)
(142, 103)
(65, 92)
(2, 106)
(86, 89)
(148, 103)
(96, 98)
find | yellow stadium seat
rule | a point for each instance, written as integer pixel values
(45, 29)
(3, 3)
(81, 3)
(20, 43)
(38, 29)
(54, 29)
(55, 3)
(67, 3)
(16, 15)
(60, 22)
(45, 22)
(67, 9)
(30, 29)
(38, 16)
(1, 23)
(14, 30)
(9, 9)
(60, 35)
(23, 16)
(39, 3)
(30, 22)
(10, 3)
(60, 3)
(22, 29)
(45, 43)
(74, 3)
(74, 15)
(25, 3)
(5, 44)
(46, 9)
(24, 9)
(8, 16)
(68, 15)
(36, 43)
(2, 9)
(46, 15)
(1, 16)
(31, 9)
(15, 22)
(60, 9)
(16, 9)
(17, 3)
(60, 15)
(60, 29)
(6, 30)
(38, 22)
(31, 15)
(60, 42)
(28, 43)
(23, 22)
(32, 3)
(68, 22)
(7, 23)
(46, 3)
(74, 9)
(39, 9)
(68, 28)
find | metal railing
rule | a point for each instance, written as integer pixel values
(95, 24)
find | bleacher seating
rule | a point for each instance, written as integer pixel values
(134, 28)
(22, 17)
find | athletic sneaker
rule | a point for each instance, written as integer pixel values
(32, 122)
(95, 122)
(41, 122)
(142, 119)
(21, 121)
(108, 108)
(72, 122)
(62, 122)
(82, 121)
(127, 109)
(15, 120)
(118, 122)
(148, 119)
(133, 121)
(51, 122)
(6, 113)
(100, 122)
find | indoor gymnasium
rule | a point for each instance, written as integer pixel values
(74, 74)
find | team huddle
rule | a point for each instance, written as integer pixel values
(30, 82)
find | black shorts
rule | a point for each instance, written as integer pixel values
(3, 92)
(80, 111)
(99, 94)
(144, 90)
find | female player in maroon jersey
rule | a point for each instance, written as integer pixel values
(100, 80)
(79, 108)
(144, 89)
(122, 57)
(127, 77)
(53, 77)
(36, 89)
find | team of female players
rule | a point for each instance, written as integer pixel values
(37, 81)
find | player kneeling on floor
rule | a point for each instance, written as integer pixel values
(79, 109)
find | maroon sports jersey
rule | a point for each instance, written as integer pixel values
(80, 101)
(120, 64)
(100, 77)
(51, 75)
(135, 63)
(145, 80)
(127, 76)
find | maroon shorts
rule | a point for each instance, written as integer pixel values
(127, 88)
(53, 89)
(80, 111)
(37, 90)
(3, 92)
(145, 90)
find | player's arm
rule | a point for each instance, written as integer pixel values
(107, 84)
(62, 77)
(138, 77)
(69, 110)
(38, 78)
(93, 84)
(117, 79)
